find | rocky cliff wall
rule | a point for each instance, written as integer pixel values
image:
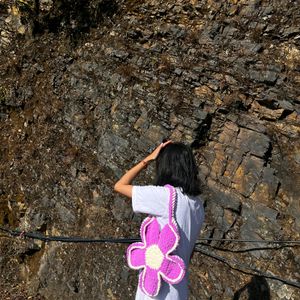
(88, 88)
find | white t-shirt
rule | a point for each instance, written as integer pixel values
(154, 200)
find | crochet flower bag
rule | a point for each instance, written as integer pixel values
(153, 254)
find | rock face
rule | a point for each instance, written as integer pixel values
(88, 88)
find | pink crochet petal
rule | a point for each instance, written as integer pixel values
(149, 282)
(143, 228)
(136, 255)
(172, 269)
(168, 239)
(151, 232)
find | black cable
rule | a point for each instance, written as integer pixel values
(280, 246)
(245, 268)
(126, 240)
(232, 264)
(251, 241)
(38, 236)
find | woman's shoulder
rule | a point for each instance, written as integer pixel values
(152, 186)
(191, 197)
(155, 189)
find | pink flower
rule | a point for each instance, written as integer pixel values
(153, 256)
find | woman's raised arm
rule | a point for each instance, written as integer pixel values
(123, 185)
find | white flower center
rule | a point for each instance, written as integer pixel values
(154, 257)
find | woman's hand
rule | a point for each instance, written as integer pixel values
(123, 185)
(155, 153)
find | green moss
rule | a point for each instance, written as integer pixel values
(3, 94)
(25, 4)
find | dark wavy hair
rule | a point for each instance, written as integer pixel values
(176, 165)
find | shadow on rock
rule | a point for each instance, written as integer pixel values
(257, 289)
(72, 16)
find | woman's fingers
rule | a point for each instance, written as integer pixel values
(155, 153)
(162, 145)
(166, 143)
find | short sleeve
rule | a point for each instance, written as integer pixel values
(150, 199)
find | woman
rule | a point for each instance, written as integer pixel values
(175, 165)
